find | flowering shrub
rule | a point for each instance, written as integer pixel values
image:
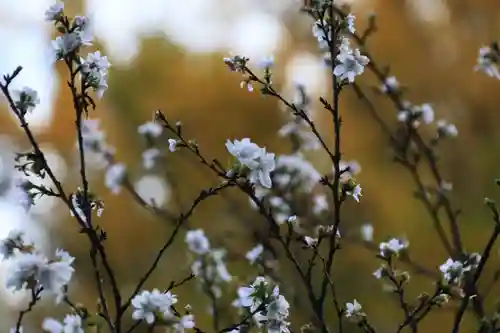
(286, 190)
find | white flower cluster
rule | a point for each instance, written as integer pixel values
(257, 160)
(454, 270)
(278, 181)
(151, 306)
(93, 68)
(296, 172)
(31, 270)
(349, 169)
(94, 143)
(93, 71)
(415, 114)
(487, 62)
(393, 247)
(150, 131)
(255, 254)
(390, 86)
(349, 62)
(266, 304)
(353, 311)
(208, 266)
(25, 99)
(148, 303)
(72, 323)
(77, 200)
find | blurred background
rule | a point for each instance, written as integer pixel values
(168, 54)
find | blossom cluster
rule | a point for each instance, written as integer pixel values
(300, 202)
(254, 158)
(31, 270)
(209, 265)
(267, 306)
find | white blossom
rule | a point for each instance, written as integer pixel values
(71, 324)
(486, 62)
(52, 275)
(446, 129)
(367, 232)
(348, 169)
(350, 64)
(257, 159)
(65, 44)
(247, 83)
(294, 170)
(254, 253)
(276, 308)
(149, 157)
(245, 151)
(281, 209)
(151, 129)
(310, 242)
(355, 192)
(415, 113)
(244, 297)
(95, 63)
(298, 129)
(148, 303)
(392, 247)
(353, 309)
(211, 267)
(25, 267)
(55, 275)
(25, 99)
(321, 30)
(185, 322)
(320, 204)
(277, 313)
(54, 12)
(95, 69)
(217, 256)
(427, 113)
(13, 241)
(172, 145)
(445, 186)
(379, 272)
(77, 207)
(454, 270)
(261, 170)
(114, 177)
(82, 23)
(93, 137)
(197, 241)
(390, 84)
(350, 23)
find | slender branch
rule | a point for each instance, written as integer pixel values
(205, 194)
(35, 297)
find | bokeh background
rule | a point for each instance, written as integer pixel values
(168, 55)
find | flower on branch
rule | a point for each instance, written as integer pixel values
(149, 304)
(25, 100)
(257, 160)
(72, 323)
(350, 64)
